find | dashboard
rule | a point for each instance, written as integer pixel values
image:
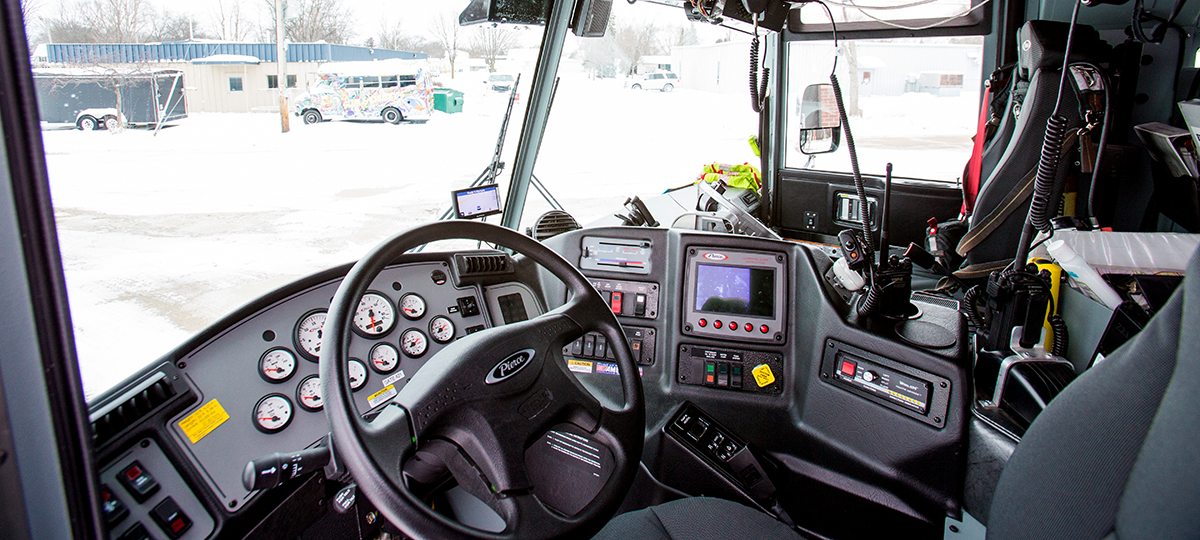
(744, 348)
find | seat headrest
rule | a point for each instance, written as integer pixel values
(1040, 44)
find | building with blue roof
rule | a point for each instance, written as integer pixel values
(219, 76)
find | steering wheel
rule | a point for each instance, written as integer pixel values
(497, 409)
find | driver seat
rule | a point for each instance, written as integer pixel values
(1115, 455)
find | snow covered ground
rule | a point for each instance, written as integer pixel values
(162, 235)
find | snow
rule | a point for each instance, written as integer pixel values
(163, 235)
(228, 59)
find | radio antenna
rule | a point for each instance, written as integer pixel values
(885, 212)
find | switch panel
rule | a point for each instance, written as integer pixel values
(731, 369)
(171, 506)
(902, 388)
(719, 447)
(138, 481)
(629, 298)
(594, 346)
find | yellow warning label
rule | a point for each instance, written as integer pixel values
(381, 396)
(579, 366)
(763, 375)
(203, 421)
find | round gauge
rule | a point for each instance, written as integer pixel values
(413, 342)
(272, 413)
(308, 334)
(308, 393)
(375, 315)
(384, 358)
(441, 329)
(412, 306)
(358, 373)
(277, 365)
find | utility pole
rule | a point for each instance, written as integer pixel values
(281, 67)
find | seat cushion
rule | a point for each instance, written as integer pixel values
(696, 518)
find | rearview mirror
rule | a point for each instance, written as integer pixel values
(820, 123)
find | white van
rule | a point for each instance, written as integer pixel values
(392, 90)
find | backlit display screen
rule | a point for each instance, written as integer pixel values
(735, 289)
(477, 202)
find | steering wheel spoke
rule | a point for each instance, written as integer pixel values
(388, 439)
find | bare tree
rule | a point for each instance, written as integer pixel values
(445, 30)
(637, 40)
(491, 42)
(170, 26)
(678, 37)
(315, 21)
(230, 22)
(116, 21)
(394, 36)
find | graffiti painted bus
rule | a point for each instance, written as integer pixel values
(391, 90)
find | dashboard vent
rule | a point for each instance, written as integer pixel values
(130, 407)
(551, 224)
(475, 265)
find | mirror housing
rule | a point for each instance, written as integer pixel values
(820, 122)
(531, 12)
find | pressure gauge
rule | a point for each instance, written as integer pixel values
(441, 329)
(272, 413)
(358, 374)
(308, 334)
(413, 342)
(375, 315)
(384, 358)
(412, 306)
(308, 393)
(277, 365)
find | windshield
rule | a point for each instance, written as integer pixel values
(165, 227)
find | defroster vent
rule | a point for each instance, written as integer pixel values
(129, 408)
(483, 264)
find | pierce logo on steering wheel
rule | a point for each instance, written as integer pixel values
(509, 366)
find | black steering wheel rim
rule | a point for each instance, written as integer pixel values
(374, 455)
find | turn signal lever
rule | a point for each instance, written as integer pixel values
(269, 471)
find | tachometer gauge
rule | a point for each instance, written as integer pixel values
(412, 306)
(413, 342)
(358, 374)
(277, 365)
(384, 358)
(272, 413)
(308, 393)
(441, 329)
(375, 315)
(308, 334)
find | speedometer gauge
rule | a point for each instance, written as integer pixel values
(357, 373)
(384, 358)
(413, 342)
(412, 306)
(277, 365)
(308, 393)
(272, 413)
(308, 334)
(441, 329)
(375, 315)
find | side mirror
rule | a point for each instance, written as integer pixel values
(820, 123)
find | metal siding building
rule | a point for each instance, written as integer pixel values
(212, 86)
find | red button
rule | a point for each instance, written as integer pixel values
(733, 326)
(749, 327)
(848, 368)
(178, 525)
(702, 323)
(616, 302)
(132, 473)
(764, 329)
(717, 323)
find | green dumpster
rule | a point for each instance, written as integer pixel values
(447, 100)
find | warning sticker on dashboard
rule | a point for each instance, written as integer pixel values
(763, 375)
(579, 366)
(382, 396)
(203, 421)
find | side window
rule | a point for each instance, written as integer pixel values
(407, 80)
(389, 81)
(913, 102)
(371, 81)
(353, 81)
(291, 80)
(272, 81)
(235, 84)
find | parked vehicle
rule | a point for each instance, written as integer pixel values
(500, 82)
(391, 90)
(88, 97)
(663, 81)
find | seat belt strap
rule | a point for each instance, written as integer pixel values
(975, 166)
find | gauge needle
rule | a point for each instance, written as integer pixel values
(372, 315)
(310, 398)
(272, 418)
